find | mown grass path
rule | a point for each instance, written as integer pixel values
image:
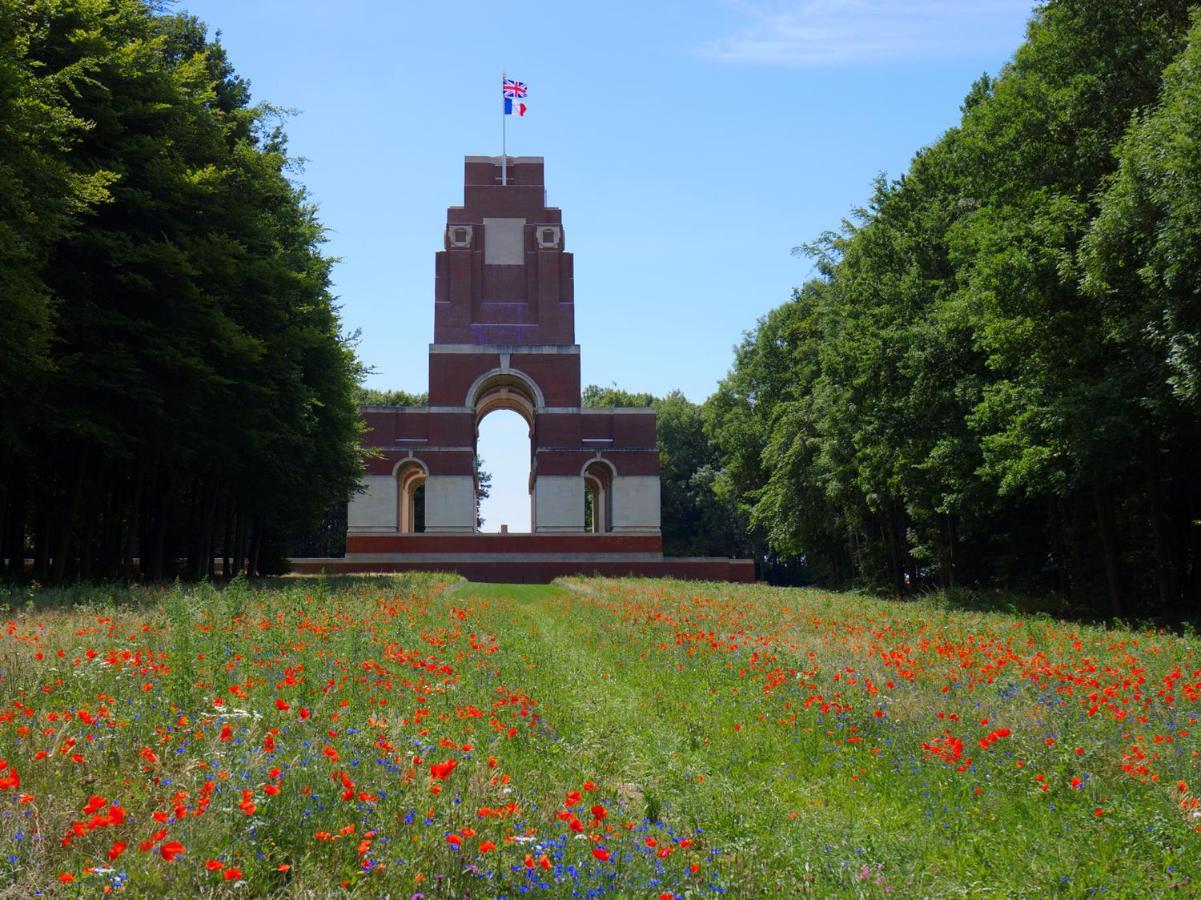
(414, 735)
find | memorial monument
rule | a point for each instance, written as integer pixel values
(504, 338)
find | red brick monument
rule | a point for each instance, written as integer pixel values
(504, 338)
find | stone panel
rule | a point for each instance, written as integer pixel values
(375, 508)
(558, 505)
(635, 504)
(449, 504)
(504, 242)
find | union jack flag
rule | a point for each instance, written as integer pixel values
(513, 89)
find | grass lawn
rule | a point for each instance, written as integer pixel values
(423, 736)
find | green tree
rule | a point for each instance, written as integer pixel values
(948, 402)
(200, 392)
(374, 397)
(1142, 263)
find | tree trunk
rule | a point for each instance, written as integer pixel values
(239, 544)
(15, 520)
(69, 512)
(208, 513)
(1103, 502)
(894, 553)
(947, 556)
(152, 545)
(41, 545)
(193, 539)
(256, 545)
(132, 525)
(114, 518)
(226, 548)
(5, 502)
(94, 498)
(162, 517)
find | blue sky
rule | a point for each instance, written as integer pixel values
(690, 145)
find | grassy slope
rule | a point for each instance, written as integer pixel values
(771, 740)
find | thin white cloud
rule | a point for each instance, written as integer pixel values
(815, 33)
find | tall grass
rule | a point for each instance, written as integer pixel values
(416, 735)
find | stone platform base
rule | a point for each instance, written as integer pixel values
(523, 559)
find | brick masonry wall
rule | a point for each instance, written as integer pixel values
(731, 570)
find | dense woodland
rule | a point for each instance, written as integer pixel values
(174, 381)
(992, 379)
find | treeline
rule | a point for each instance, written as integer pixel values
(174, 381)
(995, 378)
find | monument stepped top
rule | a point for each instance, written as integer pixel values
(484, 171)
(513, 160)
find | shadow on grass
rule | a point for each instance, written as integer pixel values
(1051, 606)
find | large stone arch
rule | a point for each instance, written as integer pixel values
(505, 389)
(512, 390)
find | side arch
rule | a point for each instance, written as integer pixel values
(598, 475)
(410, 475)
(599, 461)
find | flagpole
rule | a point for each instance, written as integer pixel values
(504, 158)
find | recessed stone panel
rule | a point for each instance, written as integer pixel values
(504, 242)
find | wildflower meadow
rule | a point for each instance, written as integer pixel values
(420, 736)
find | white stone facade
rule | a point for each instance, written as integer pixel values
(559, 504)
(636, 504)
(374, 510)
(450, 504)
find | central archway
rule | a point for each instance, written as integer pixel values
(508, 448)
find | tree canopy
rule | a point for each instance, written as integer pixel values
(992, 380)
(178, 383)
